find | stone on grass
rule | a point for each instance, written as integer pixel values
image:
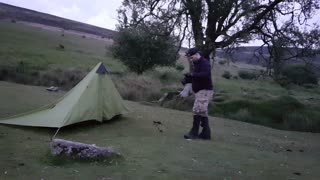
(80, 150)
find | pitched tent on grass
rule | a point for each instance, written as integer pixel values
(94, 98)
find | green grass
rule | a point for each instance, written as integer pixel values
(284, 112)
(39, 48)
(237, 151)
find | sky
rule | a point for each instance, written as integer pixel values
(102, 13)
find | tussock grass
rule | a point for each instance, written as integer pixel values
(284, 112)
(138, 88)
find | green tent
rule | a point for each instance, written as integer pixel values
(94, 98)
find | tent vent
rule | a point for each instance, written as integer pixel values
(102, 69)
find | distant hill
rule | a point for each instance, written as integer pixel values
(14, 13)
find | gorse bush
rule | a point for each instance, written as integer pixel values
(298, 74)
(247, 75)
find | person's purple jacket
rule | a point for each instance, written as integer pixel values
(201, 75)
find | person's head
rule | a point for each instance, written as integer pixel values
(193, 54)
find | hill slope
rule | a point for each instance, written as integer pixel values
(9, 12)
(237, 151)
(21, 14)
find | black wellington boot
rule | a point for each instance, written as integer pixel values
(206, 132)
(193, 134)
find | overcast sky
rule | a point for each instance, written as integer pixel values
(96, 12)
(101, 13)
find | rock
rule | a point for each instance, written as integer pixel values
(80, 150)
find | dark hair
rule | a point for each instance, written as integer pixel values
(192, 51)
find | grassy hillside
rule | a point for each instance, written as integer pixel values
(238, 150)
(17, 14)
(39, 48)
(31, 55)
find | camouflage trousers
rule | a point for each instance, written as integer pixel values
(202, 99)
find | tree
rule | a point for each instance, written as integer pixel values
(212, 24)
(287, 42)
(143, 47)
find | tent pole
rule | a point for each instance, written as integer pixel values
(55, 134)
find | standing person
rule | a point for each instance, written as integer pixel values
(203, 89)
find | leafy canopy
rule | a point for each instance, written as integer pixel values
(144, 47)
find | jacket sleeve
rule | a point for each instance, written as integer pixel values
(205, 71)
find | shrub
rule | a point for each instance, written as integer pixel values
(247, 75)
(226, 74)
(298, 74)
(141, 48)
(179, 67)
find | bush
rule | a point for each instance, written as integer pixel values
(141, 48)
(179, 67)
(298, 74)
(247, 75)
(226, 74)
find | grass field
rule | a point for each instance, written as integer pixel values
(39, 48)
(238, 150)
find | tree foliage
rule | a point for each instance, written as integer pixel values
(143, 47)
(212, 24)
(293, 39)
